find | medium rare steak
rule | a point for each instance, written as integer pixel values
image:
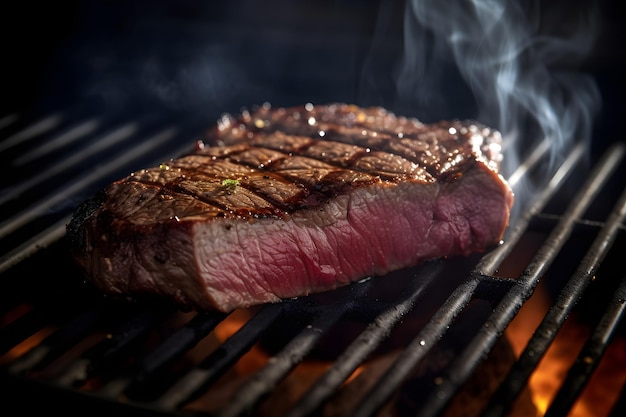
(290, 201)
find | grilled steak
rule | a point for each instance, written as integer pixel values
(291, 201)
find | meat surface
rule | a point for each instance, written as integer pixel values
(285, 202)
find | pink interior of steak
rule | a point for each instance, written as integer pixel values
(366, 232)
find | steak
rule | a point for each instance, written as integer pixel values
(284, 202)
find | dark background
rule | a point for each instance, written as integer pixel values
(205, 57)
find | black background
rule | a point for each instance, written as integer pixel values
(209, 57)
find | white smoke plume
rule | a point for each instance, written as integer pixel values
(519, 61)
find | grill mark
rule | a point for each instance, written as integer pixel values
(346, 119)
(383, 141)
(350, 163)
(276, 207)
(179, 174)
(321, 191)
(345, 123)
(392, 144)
(210, 199)
(173, 187)
(290, 205)
(369, 141)
(307, 197)
(328, 186)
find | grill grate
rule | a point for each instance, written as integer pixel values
(557, 314)
(76, 348)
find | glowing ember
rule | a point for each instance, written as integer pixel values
(603, 388)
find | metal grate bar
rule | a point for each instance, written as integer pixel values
(264, 381)
(57, 343)
(590, 355)
(417, 349)
(8, 120)
(533, 159)
(193, 383)
(70, 136)
(167, 351)
(547, 330)
(117, 341)
(98, 359)
(34, 244)
(75, 186)
(180, 341)
(97, 146)
(490, 262)
(363, 345)
(503, 313)
(31, 132)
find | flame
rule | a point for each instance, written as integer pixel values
(604, 386)
(28, 343)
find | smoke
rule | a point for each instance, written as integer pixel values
(512, 65)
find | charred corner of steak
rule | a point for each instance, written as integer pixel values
(292, 201)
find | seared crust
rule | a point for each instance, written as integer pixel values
(282, 160)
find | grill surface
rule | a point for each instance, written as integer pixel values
(414, 342)
(59, 339)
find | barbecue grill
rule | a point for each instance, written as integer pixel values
(429, 340)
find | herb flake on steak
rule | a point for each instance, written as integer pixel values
(293, 201)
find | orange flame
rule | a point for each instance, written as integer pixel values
(602, 390)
